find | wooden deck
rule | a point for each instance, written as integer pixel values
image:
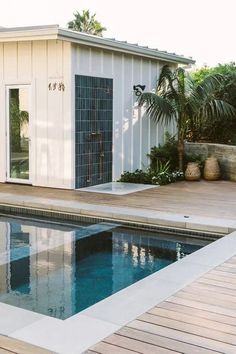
(192, 198)
(201, 318)
(10, 345)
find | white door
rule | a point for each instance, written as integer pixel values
(18, 134)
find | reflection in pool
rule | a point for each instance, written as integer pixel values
(59, 270)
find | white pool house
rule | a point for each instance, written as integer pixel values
(68, 112)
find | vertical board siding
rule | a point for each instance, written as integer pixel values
(133, 133)
(40, 119)
(55, 113)
(118, 154)
(145, 137)
(136, 119)
(2, 120)
(37, 63)
(107, 64)
(127, 96)
(10, 62)
(23, 57)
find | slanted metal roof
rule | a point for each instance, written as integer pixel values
(55, 32)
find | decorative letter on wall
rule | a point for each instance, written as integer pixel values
(53, 86)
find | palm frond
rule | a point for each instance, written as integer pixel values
(210, 85)
(157, 108)
(165, 76)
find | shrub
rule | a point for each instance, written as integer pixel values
(165, 153)
(159, 177)
(138, 176)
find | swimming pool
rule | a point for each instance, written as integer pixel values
(59, 270)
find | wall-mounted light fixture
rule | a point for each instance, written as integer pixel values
(138, 89)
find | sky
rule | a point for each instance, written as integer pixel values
(201, 29)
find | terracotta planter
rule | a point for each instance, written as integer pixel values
(211, 169)
(192, 172)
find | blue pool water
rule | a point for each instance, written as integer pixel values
(60, 270)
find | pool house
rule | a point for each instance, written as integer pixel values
(69, 114)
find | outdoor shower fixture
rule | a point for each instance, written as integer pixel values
(138, 89)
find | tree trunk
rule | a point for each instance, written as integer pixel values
(181, 153)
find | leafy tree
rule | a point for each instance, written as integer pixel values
(86, 23)
(179, 98)
(228, 88)
(218, 129)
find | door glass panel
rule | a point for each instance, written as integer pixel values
(19, 133)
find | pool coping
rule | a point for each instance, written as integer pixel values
(77, 333)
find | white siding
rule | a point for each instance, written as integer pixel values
(38, 63)
(133, 133)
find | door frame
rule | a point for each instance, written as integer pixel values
(8, 177)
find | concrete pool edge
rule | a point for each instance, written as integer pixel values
(85, 329)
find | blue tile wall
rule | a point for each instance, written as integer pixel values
(93, 130)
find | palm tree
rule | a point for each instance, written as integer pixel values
(178, 98)
(86, 23)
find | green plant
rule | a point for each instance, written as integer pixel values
(86, 23)
(164, 153)
(138, 176)
(218, 129)
(194, 158)
(162, 175)
(179, 98)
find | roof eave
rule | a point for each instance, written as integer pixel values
(54, 32)
(29, 33)
(105, 43)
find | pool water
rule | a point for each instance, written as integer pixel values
(60, 270)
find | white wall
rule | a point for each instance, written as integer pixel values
(133, 133)
(38, 63)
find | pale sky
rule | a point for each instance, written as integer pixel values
(202, 29)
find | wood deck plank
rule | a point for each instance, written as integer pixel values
(213, 288)
(168, 343)
(137, 345)
(195, 329)
(189, 318)
(4, 351)
(107, 348)
(180, 336)
(19, 347)
(227, 269)
(223, 284)
(198, 307)
(221, 277)
(212, 293)
(222, 274)
(185, 300)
